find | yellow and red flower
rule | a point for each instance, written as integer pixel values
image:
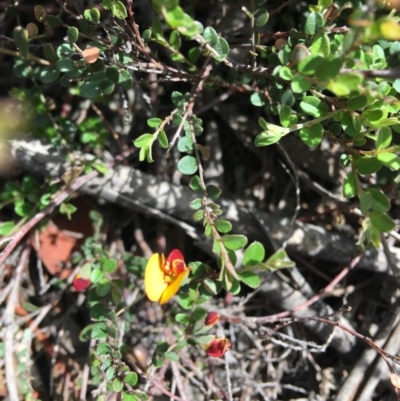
(163, 277)
(81, 283)
(211, 319)
(218, 347)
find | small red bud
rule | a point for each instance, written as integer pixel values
(218, 347)
(211, 319)
(81, 283)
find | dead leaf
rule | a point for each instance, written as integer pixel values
(91, 54)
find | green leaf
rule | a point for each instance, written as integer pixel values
(117, 385)
(6, 227)
(234, 242)
(324, 3)
(300, 84)
(49, 74)
(313, 135)
(107, 87)
(286, 117)
(68, 209)
(175, 40)
(257, 99)
(314, 22)
(196, 204)
(266, 139)
(278, 260)
(21, 40)
(154, 122)
(162, 139)
(389, 160)
(379, 201)
(222, 48)
(250, 278)
(384, 138)
(144, 140)
(345, 83)
(285, 73)
(260, 17)
(177, 99)
(382, 221)
(118, 10)
(99, 331)
(182, 318)
(223, 226)
(373, 115)
(328, 68)
(308, 66)
(131, 378)
(313, 106)
(90, 89)
(365, 202)
(65, 50)
(368, 165)
(254, 254)
(72, 34)
(213, 192)
(129, 397)
(96, 276)
(103, 288)
(188, 165)
(350, 186)
(109, 265)
(110, 373)
(125, 79)
(103, 349)
(198, 216)
(65, 65)
(112, 73)
(53, 21)
(198, 314)
(185, 144)
(321, 45)
(204, 340)
(357, 102)
(92, 15)
(50, 53)
(210, 35)
(195, 184)
(172, 356)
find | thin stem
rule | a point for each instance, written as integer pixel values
(310, 123)
(323, 293)
(19, 55)
(9, 323)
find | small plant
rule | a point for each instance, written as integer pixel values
(330, 78)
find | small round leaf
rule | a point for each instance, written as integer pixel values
(188, 165)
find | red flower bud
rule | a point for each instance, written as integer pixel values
(81, 283)
(211, 319)
(218, 347)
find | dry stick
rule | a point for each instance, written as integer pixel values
(109, 127)
(313, 299)
(278, 9)
(47, 211)
(179, 380)
(85, 375)
(389, 256)
(325, 320)
(134, 25)
(9, 324)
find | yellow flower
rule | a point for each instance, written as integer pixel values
(163, 277)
